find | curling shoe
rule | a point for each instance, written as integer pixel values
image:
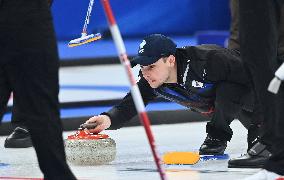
(19, 138)
(254, 158)
(212, 146)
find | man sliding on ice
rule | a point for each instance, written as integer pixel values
(207, 79)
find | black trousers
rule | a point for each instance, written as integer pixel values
(259, 27)
(229, 105)
(234, 96)
(16, 120)
(29, 67)
(234, 41)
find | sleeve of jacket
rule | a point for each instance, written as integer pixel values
(125, 110)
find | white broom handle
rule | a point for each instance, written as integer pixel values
(87, 19)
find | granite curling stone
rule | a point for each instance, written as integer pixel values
(85, 148)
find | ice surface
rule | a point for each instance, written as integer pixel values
(134, 160)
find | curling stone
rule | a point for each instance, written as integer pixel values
(86, 148)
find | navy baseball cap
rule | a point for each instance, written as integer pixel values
(152, 48)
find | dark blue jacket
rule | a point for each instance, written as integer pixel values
(199, 70)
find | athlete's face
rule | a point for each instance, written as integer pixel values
(158, 73)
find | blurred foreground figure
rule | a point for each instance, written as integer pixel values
(259, 27)
(29, 67)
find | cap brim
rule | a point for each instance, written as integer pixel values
(144, 60)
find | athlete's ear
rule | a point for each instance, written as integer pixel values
(172, 59)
